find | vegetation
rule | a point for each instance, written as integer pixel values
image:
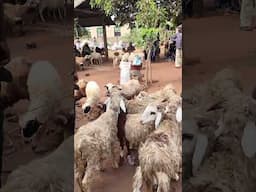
(80, 31)
(127, 11)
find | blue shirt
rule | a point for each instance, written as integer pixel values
(178, 39)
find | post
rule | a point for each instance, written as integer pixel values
(105, 40)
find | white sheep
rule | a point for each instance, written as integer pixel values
(136, 130)
(95, 58)
(51, 173)
(139, 103)
(98, 140)
(93, 94)
(233, 158)
(160, 159)
(47, 97)
(131, 88)
(80, 89)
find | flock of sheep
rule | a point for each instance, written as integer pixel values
(219, 136)
(132, 125)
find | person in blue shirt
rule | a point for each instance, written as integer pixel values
(178, 42)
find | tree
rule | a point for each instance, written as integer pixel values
(146, 16)
(80, 31)
(125, 11)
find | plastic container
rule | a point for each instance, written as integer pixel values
(124, 72)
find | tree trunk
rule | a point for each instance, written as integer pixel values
(105, 41)
(148, 68)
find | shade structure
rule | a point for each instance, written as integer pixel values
(89, 17)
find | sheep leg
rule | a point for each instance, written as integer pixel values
(88, 178)
(115, 156)
(137, 180)
(163, 182)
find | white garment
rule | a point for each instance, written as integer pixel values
(178, 58)
(124, 72)
(247, 13)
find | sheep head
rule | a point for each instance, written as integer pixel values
(152, 113)
(115, 102)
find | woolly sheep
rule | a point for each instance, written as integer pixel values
(46, 96)
(80, 89)
(17, 89)
(234, 154)
(160, 159)
(98, 140)
(226, 118)
(50, 173)
(131, 88)
(92, 92)
(96, 58)
(139, 103)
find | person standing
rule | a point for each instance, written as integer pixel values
(247, 15)
(178, 52)
(5, 76)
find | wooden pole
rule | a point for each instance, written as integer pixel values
(105, 41)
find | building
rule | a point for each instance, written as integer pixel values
(114, 33)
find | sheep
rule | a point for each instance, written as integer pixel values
(80, 61)
(52, 5)
(228, 117)
(116, 59)
(160, 159)
(17, 89)
(50, 173)
(92, 92)
(96, 58)
(233, 158)
(136, 130)
(46, 96)
(98, 140)
(138, 105)
(80, 87)
(131, 88)
(15, 14)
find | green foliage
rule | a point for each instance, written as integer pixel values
(80, 31)
(150, 14)
(142, 37)
(128, 11)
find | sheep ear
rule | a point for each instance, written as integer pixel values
(158, 119)
(249, 139)
(199, 152)
(122, 105)
(179, 114)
